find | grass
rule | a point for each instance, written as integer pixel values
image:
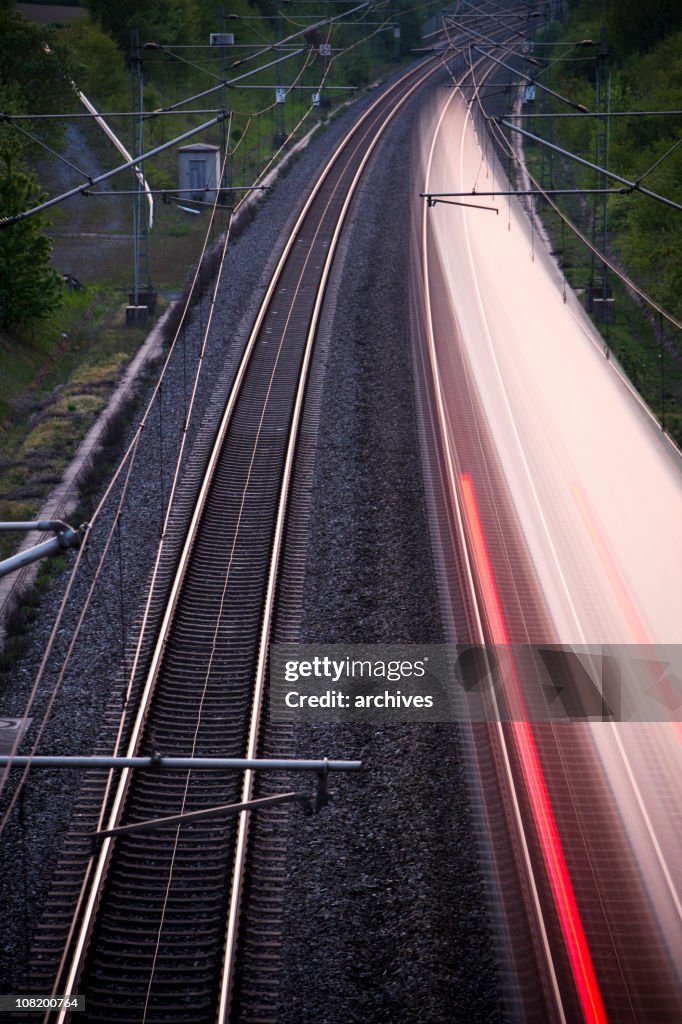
(56, 379)
(23, 614)
(57, 376)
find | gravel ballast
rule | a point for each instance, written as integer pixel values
(385, 917)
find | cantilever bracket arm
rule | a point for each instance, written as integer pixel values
(225, 810)
(156, 762)
(433, 197)
(64, 537)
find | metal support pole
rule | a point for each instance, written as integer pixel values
(281, 129)
(141, 295)
(597, 160)
(593, 113)
(224, 134)
(661, 356)
(136, 107)
(550, 155)
(65, 537)
(607, 148)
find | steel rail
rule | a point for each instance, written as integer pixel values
(242, 841)
(103, 861)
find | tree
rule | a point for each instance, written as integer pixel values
(410, 22)
(163, 21)
(103, 78)
(635, 26)
(36, 69)
(29, 288)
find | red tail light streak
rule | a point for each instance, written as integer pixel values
(562, 888)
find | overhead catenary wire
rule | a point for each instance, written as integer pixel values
(171, 192)
(499, 17)
(76, 115)
(44, 145)
(658, 162)
(8, 221)
(309, 57)
(176, 56)
(477, 35)
(132, 163)
(618, 271)
(265, 50)
(631, 186)
(505, 144)
(325, 22)
(539, 85)
(126, 464)
(229, 82)
(307, 114)
(495, 130)
(123, 474)
(564, 58)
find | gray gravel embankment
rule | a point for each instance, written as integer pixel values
(384, 910)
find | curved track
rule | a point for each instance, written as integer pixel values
(156, 932)
(157, 935)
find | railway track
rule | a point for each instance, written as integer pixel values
(155, 934)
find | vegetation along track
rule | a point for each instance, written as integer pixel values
(155, 933)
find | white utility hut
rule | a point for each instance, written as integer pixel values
(199, 170)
